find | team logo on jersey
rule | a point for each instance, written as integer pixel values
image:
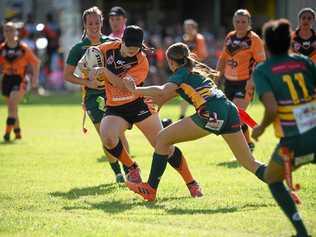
(120, 62)
(306, 44)
(297, 46)
(110, 60)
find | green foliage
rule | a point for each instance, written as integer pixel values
(56, 182)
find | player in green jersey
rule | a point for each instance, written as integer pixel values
(286, 87)
(93, 96)
(193, 81)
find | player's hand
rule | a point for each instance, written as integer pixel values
(250, 86)
(257, 131)
(129, 84)
(93, 83)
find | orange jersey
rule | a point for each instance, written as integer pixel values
(306, 47)
(136, 67)
(241, 54)
(15, 61)
(198, 47)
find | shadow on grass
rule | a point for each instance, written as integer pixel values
(76, 193)
(11, 142)
(102, 159)
(117, 206)
(230, 164)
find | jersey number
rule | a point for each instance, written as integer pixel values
(301, 82)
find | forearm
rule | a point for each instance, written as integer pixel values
(268, 118)
(153, 91)
(74, 79)
(220, 68)
(112, 78)
(34, 79)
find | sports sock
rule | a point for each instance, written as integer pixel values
(116, 167)
(9, 125)
(179, 163)
(121, 154)
(158, 167)
(125, 168)
(17, 132)
(283, 198)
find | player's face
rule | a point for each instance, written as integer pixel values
(171, 64)
(129, 51)
(9, 32)
(93, 25)
(306, 20)
(241, 24)
(117, 23)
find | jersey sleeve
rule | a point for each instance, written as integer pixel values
(201, 49)
(261, 81)
(73, 56)
(258, 50)
(140, 71)
(31, 57)
(177, 78)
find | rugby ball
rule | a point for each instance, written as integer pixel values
(93, 57)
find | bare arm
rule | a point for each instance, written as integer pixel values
(270, 112)
(220, 67)
(70, 77)
(35, 69)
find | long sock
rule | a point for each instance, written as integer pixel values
(125, 168)
(283, 198)
(158, 167)
(179, 163)
(10, 125)
(116, 167)
(121, 154)
(17, 132)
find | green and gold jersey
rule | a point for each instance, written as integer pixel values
(77, 51)
(292, 80)
(195, 88)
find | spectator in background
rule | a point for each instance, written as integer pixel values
(304, 38)
(197, 46)
(117, 20)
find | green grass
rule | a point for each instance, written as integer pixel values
(56, 182)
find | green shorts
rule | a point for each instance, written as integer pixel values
(303, 146)
(218, 116)
(95, 106)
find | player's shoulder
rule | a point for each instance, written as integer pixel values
(230, 34)
(199, 36)
(254, 36)
(111, 44)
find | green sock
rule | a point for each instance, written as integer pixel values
(260, 172)
(125, 168)
(157, 169)
(116, 167)
(283, 198)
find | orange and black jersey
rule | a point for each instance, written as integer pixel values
(197, 47)
(137, 67)
(241, 54)
(306, 47)
(15, 61)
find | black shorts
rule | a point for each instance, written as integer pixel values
(11, 83)
(237, 89)
(133, 112)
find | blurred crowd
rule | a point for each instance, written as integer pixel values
(44, 39)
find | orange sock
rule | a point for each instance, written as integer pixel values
(185, 172)
(179, 163)
(9, 125)
(121, 154)
(125, 158)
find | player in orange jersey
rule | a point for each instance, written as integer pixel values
(197, 46)
(16, 60)
(126, 59)
(304, 38)
(242, 50)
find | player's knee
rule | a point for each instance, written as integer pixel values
(109, 141)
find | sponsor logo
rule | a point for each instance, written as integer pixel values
(110, 60)
(214, 123)
(120, 62)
